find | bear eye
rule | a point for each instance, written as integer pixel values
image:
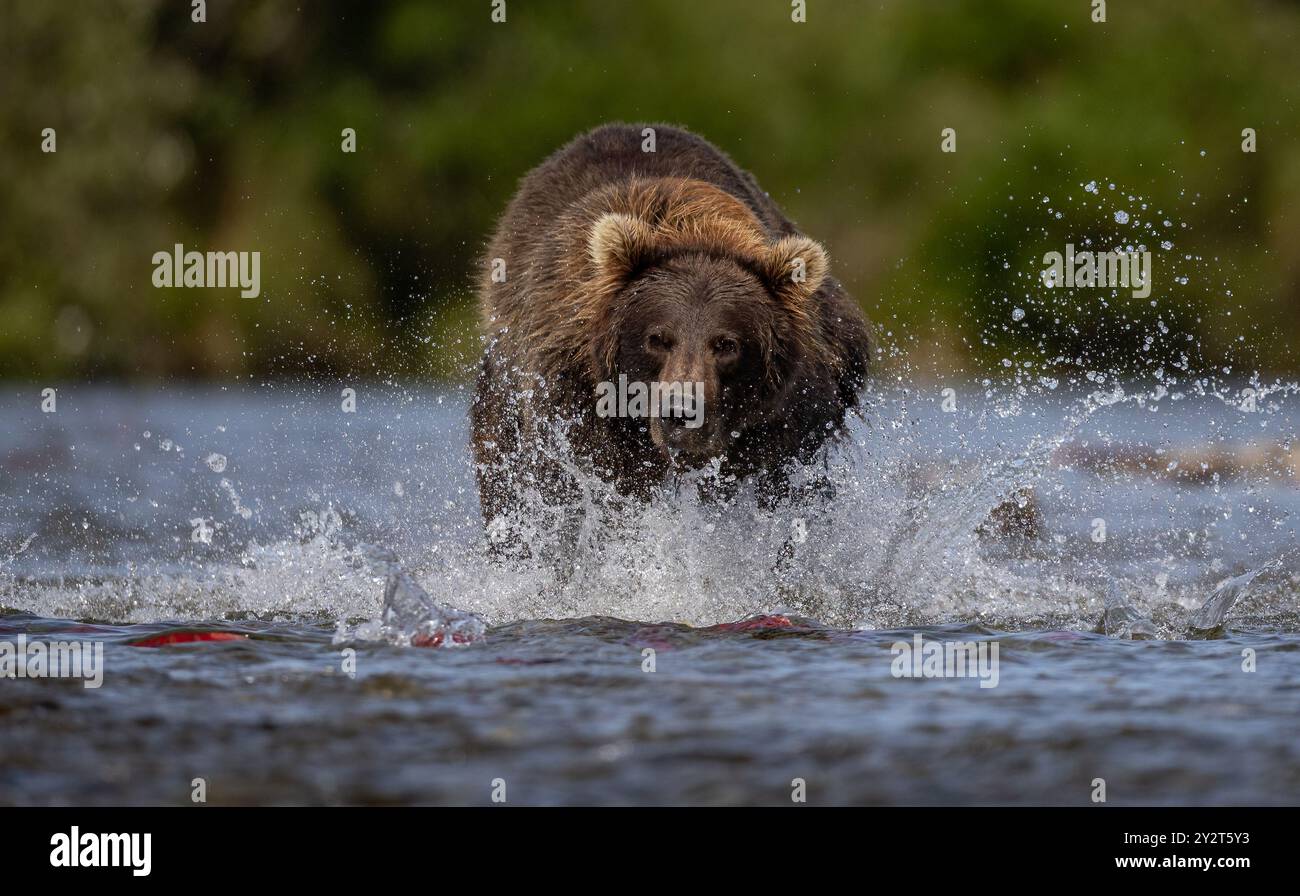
(659, 341)
(725, 345)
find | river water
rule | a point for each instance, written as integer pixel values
(269, 514)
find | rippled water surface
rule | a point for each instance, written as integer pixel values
(269, 514)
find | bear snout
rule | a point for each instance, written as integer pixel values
(686, 432)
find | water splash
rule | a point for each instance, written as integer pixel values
(978, 516)
(1208, 622)
(410, 617)
(1121, 620)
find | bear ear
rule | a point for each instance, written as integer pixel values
(794, 269)
(620, 244)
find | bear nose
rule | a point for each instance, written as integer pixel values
(678, 409)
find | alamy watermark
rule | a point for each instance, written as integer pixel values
(54, 659)
(656, 399)
(1117, 270)
(946, 659)
(87, 850)
(197, 270)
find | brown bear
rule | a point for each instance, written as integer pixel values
(622, 260)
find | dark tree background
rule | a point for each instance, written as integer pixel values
(225, 135)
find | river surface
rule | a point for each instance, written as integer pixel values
(680, 662)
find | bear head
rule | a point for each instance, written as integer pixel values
(693, 290)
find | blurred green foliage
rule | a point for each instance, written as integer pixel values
(225, 135)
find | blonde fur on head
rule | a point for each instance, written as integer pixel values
(620, 243)
(661, 217)
(636, 224)
(796, 266)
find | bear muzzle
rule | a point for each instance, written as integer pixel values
(687, 433)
